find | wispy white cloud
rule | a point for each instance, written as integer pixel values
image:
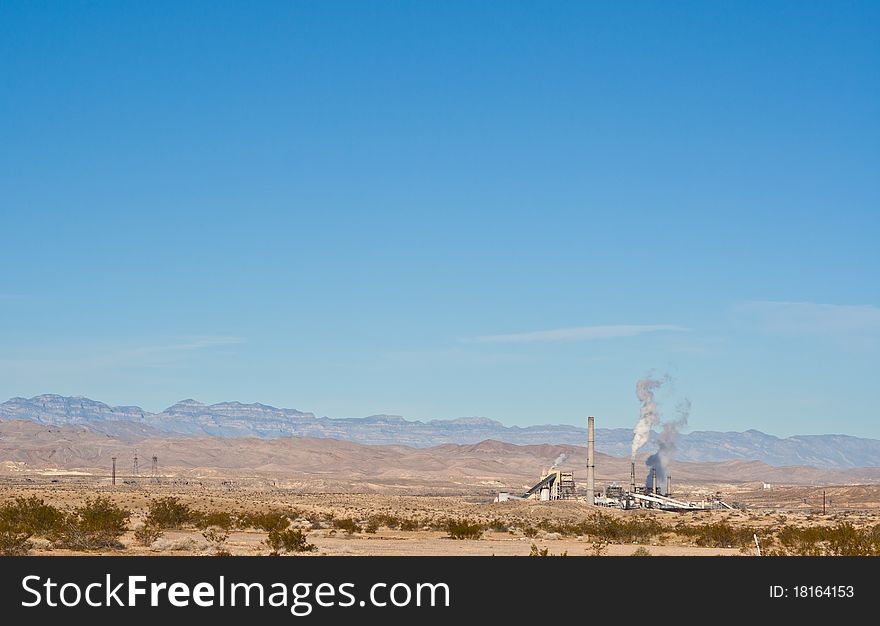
(170, 354)
(579, 333)
(812, 317)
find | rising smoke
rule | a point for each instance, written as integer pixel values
(648, 416)
(559, 460)
(659, 461)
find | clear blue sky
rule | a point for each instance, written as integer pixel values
(512, 210)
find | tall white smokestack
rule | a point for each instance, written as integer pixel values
(591, 478)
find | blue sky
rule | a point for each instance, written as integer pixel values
(512, 210)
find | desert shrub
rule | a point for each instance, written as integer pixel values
(800, 541)
(217, 536)
(847, 540)
(641, 551)
(218, 519)
(535, 551)
(605, 528)
(97, 524)
(717, 534)
(498, 526)
(31, 516)
(346, 524)
(267, 521)
(384, 519)
(530, 532)
(170, 512)
(14, 543)
(147, 534)
(844, 539)
(410, 524)
(371, 526)
(613, 530)
(290, 540)
(462, 529)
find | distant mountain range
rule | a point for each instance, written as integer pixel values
(234, 419)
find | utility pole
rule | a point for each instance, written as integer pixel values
(134, 465)
(823, 502)
(154, 470)
(113, 475)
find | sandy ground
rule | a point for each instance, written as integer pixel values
(795, 505)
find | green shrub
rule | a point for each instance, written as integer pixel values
(219, 519)
(170, 512)
(13, 543)
(267, 521)
(346, 524)
(846, 540)
(384, 519)
(97, 524)
(462, 529)
(641, 551)
(290, 540)
(147, 534)
(371, 526)
(31, 516)
(718, 534)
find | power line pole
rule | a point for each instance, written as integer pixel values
(154, 470)
(134, 465)
(113, 475)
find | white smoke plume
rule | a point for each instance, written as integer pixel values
(559, 460)
(666, 445)
(648, 416)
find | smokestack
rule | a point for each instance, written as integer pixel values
(591, 478)
(632, 478)
(114, 472)
(653, 480)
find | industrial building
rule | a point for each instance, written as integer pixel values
(556, 484)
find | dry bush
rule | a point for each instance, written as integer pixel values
(347, 525)
(290, 540)
(170, 513)
(718, 534)
(267, 521)
(97, 524)
(147, 534)
(535, 551)
(14, 544)
(598, 548)
(641, 551)
(463, 529)
(218, 519)
(31, 516)
(217, 536)
(844, 539)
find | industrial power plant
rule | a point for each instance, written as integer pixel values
(558, 484)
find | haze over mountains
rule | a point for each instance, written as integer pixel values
(234, 419)
(311, 464)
